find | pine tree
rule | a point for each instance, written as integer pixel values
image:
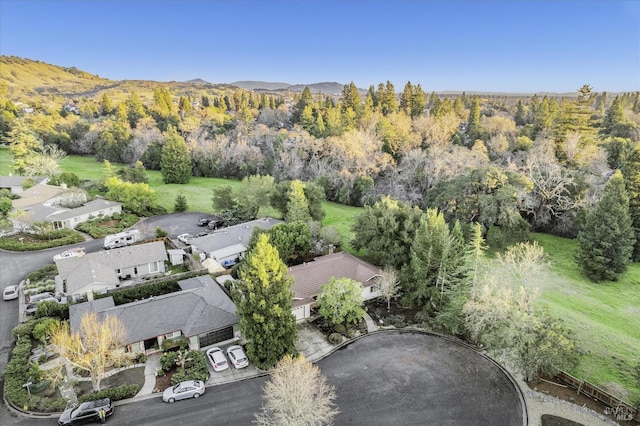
(106, 105)
(631, 173)
(605, 243)
(263, 299)
(175, 163)
(473, 124)
(180, 204)
(520, 114)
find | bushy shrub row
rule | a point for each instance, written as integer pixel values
(104, 225)
(58, 238)
(116, 393)
(50, 270)
(141, 292)
(16, 374)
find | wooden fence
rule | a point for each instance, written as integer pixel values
(620, 409)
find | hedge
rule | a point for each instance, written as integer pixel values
(116, 393)
(62, 237)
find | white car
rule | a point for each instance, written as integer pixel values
(237, 356)
(183, 390)
(185, 238)
(10, 292)
(74, 252)
(217, 359)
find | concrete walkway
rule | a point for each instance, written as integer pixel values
(150, 368)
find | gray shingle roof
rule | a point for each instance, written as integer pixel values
(309, 277)
(238, 234)
(200, 308)
(101, 266)
(91, 207)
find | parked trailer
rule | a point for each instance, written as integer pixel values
(122, 239)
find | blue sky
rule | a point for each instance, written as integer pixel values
(506, 46)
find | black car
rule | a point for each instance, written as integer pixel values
(87, 412)
(203, 221)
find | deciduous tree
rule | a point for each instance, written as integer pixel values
(341, 301)
(94, 348)
(297, 394)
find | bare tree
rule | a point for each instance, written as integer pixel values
(389, 284)
(297, 394)
(95, 347)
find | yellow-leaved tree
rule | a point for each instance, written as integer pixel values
(95, 347)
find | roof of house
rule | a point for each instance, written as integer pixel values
(37, 194)
(100, 267)
(41, 212)
(228, 251)
(237, 234)
(91, 207)
(202, 306)
(309, 277)
(17, 181)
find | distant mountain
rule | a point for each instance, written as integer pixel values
(325, 87)
(197, 81)
(260, 85)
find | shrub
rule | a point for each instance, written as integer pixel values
(23, 330)
(340, 328)
(50, 270)
(160, 233)
(196, 369)
(16, 374)
(52, 309)
(335, 338)
(116, 393)
(58, 238)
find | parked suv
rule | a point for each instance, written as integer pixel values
(87, 412)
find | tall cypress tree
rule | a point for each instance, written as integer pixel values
(605, 243)
(264, 299)
(175, 162)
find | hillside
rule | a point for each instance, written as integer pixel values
(24, 76)
(331, 88)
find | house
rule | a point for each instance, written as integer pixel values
(70, 218)
(42, 193)
(309, 278)
(200, 313)
(233, 240)
(14, 183)
(107, 269)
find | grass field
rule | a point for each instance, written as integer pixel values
(604, 317)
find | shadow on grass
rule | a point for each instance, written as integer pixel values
(126, 377)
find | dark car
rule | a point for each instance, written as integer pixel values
(87, 412)
(203, 221)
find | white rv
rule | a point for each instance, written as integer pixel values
(122, 239)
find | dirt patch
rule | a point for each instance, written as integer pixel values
(163, 382)
(561, 391)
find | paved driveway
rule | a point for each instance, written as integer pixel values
(402, 378)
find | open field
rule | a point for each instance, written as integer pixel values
(604, 317)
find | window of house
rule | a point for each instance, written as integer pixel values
(154, 267)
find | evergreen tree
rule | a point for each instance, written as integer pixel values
(473, 124)
(520, 114)
(297, 207)
(263, 299)
(436, 262)
(180, 204)
(106, 105)
(418, 101)
(305, 100)
(405, 98)
(135, 109)
(351, 98)
(458, 107)
(176, 164)
(631, 173)
(605, 242)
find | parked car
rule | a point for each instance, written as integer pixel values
(217, 359)
(34, 300)
(74, 252)
(41, 353)
(237, 356)
(203, 221)
(183, 390)
(87, 412)
(185, 238)
(10, 292)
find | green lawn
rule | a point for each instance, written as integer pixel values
(604, 317)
